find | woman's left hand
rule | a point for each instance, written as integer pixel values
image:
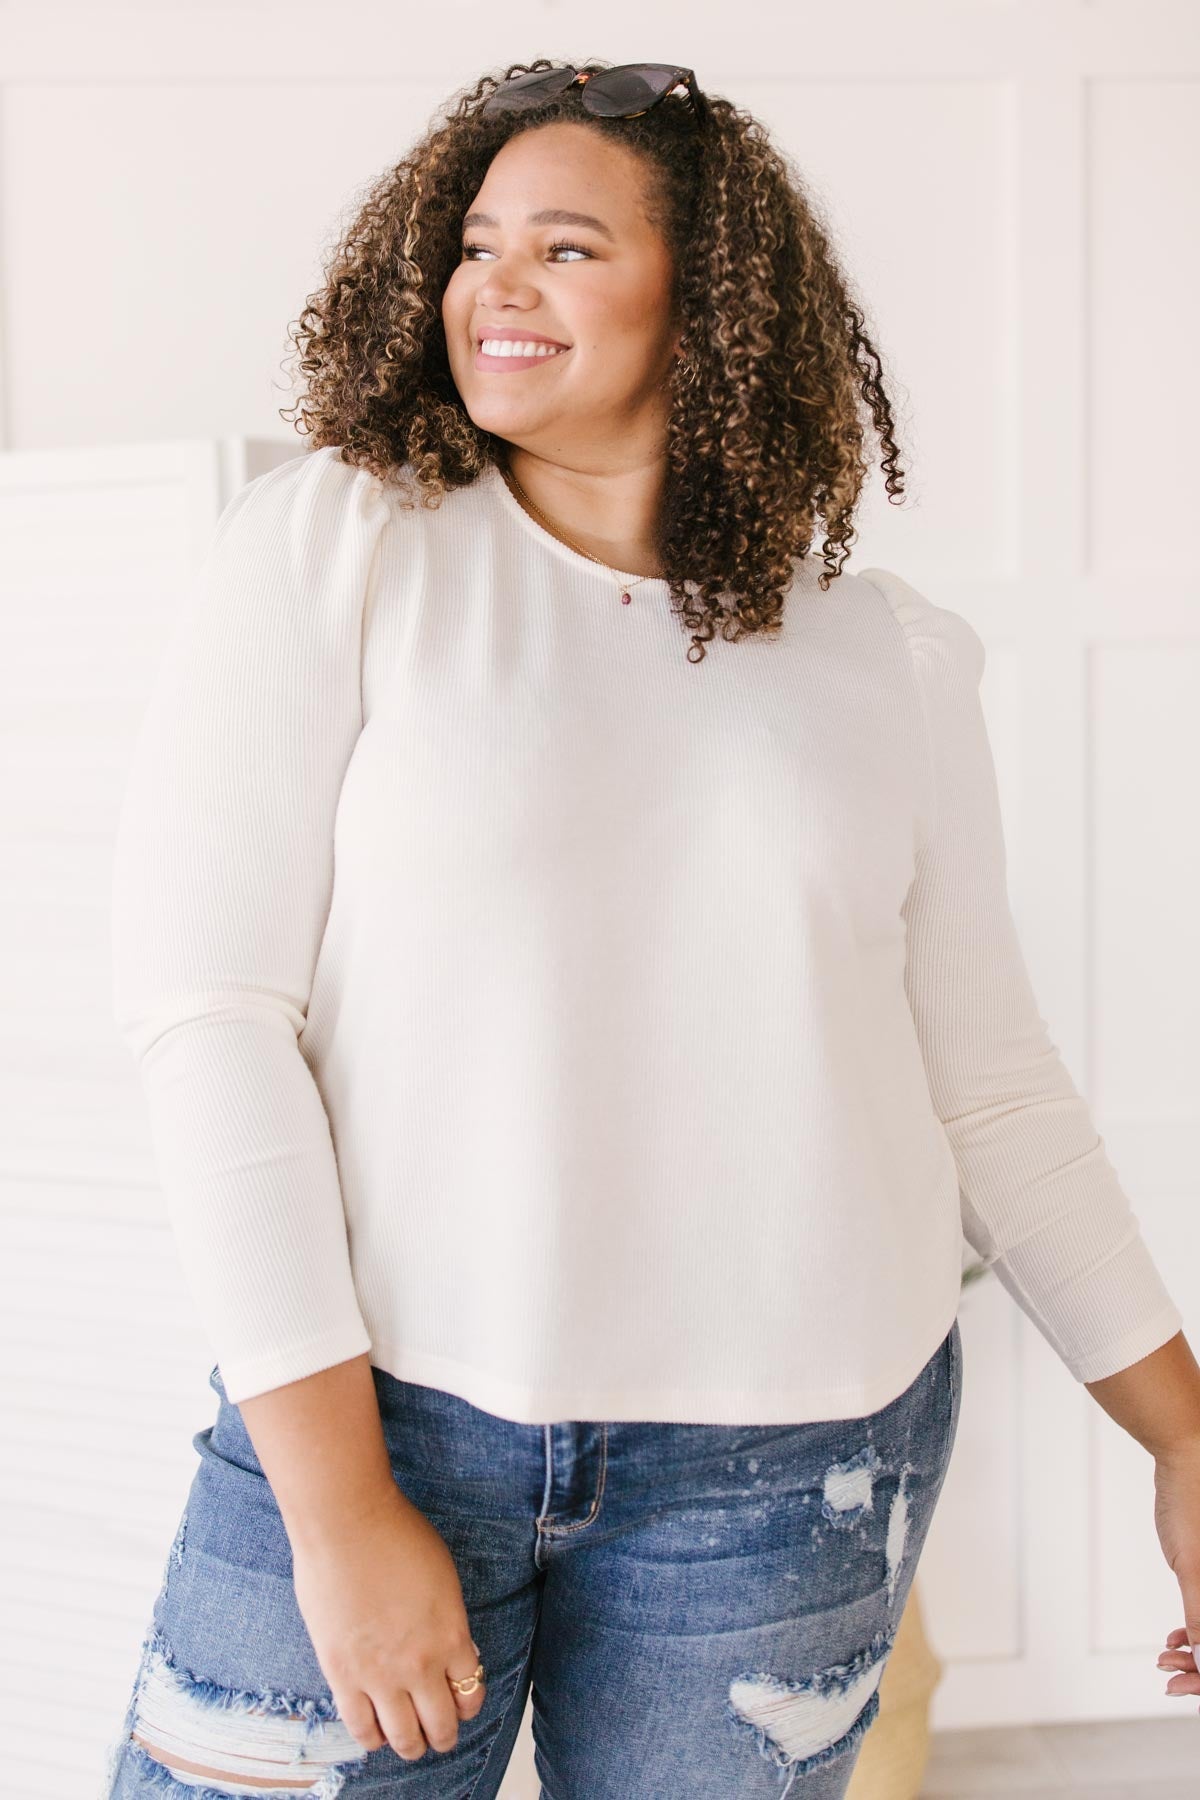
(1177, 1518)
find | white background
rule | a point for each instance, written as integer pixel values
(1012, 188)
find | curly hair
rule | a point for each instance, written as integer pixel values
(766, 434)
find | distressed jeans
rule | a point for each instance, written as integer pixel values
(703, 1612)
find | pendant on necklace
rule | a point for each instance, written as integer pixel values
(625, 599)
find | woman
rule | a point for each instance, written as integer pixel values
(565, 1049)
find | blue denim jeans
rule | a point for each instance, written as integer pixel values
(703, 1612)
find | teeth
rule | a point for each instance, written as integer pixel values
(510, 347)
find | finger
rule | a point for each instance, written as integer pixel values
(358, 1716)
(434, 1701)
(469, 1705)
(398, 1717)
(1187, 1571)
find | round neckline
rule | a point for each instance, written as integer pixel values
(512, 505)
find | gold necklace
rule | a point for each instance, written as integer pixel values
(623, 585)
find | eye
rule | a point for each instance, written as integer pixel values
(560, 245)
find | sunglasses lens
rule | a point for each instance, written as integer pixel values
(524, 91)
(617, 92)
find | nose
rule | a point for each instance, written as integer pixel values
(499, 289)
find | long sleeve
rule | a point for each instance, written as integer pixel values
(221, 885)
(1040, 1199)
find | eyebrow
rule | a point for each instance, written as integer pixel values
(550, 215)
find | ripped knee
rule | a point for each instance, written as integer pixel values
(800, 1723)
(236, 1742)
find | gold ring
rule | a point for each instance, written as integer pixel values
(466, 1684)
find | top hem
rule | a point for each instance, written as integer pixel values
(675, 1406)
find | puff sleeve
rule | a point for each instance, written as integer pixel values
(221, 885)
(1040, 1199)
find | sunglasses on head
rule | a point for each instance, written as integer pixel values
(624, 92)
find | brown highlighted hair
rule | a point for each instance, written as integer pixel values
(764, 440)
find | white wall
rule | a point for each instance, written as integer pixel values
(1013, 188)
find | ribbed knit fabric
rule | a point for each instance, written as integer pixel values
(588, 1032)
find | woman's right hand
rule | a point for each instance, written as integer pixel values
(384, 1609)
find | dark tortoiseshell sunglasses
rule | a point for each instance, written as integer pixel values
(624, 92)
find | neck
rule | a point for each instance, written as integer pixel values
(611, 515)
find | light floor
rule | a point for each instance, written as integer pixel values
(1110, 1759)
(1113, 1759)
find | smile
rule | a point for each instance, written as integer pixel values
(504, 354)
